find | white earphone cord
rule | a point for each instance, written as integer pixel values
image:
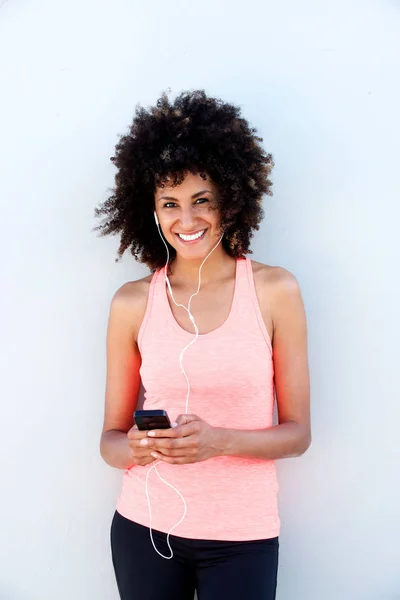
(187, 395)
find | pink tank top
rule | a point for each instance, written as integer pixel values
(230, 371)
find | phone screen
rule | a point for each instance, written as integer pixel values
(148, 419)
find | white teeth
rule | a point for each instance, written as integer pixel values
(189, 238)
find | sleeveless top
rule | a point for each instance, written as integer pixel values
(231, 373)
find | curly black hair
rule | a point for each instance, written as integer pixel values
(197, 134)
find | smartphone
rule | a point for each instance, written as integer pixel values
(151, 419)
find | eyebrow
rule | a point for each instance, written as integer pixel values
(196, 195)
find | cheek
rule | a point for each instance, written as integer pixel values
(216, 221)
(212, 216)
(166, 221)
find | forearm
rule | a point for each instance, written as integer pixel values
(115, 450)
(281, 441)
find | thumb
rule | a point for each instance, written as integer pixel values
(130, 432)
(184, 419)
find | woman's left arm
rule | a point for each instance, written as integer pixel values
(292, 436)
(195, 440)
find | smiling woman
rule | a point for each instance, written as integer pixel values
(194, 134)
(190, 181)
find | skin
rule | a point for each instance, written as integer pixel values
(183, 209)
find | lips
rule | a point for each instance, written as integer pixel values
(190, 238)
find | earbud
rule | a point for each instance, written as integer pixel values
(156, 218)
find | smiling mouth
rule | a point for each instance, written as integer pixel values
(192, 238)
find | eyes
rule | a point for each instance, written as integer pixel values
(173, 204)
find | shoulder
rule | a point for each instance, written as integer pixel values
(274, 279)
(276, 287)
(130, 301)
(132, 292)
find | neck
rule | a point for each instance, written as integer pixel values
(187, 271)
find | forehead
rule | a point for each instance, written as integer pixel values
(189, 186)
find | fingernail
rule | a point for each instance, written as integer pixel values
(154, 455)
(174, 424)
(151, 433)
(144, 442)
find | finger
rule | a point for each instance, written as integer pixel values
(176, 432)
(176, 460)
(138, 454)
(183, 419)
(176, 452)
(161, 444)
(164, 433)
(136, 448)
(136, 434)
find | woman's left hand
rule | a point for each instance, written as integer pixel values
(192, 440)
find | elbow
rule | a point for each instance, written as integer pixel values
(304, 443)
(102, 448)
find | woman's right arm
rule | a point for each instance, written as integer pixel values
(119, 444)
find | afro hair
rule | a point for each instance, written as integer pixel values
(194, 133)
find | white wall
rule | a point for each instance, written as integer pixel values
(320, 81)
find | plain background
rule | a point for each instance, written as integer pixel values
(320, 81)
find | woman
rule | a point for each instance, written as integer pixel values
(191, 176)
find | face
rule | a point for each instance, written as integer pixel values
(187, 217)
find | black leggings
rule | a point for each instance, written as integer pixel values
(216, 570)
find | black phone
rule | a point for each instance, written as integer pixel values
(151, 419)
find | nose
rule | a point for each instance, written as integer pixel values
(187, 218)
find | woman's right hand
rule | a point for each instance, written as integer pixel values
(140, 454)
